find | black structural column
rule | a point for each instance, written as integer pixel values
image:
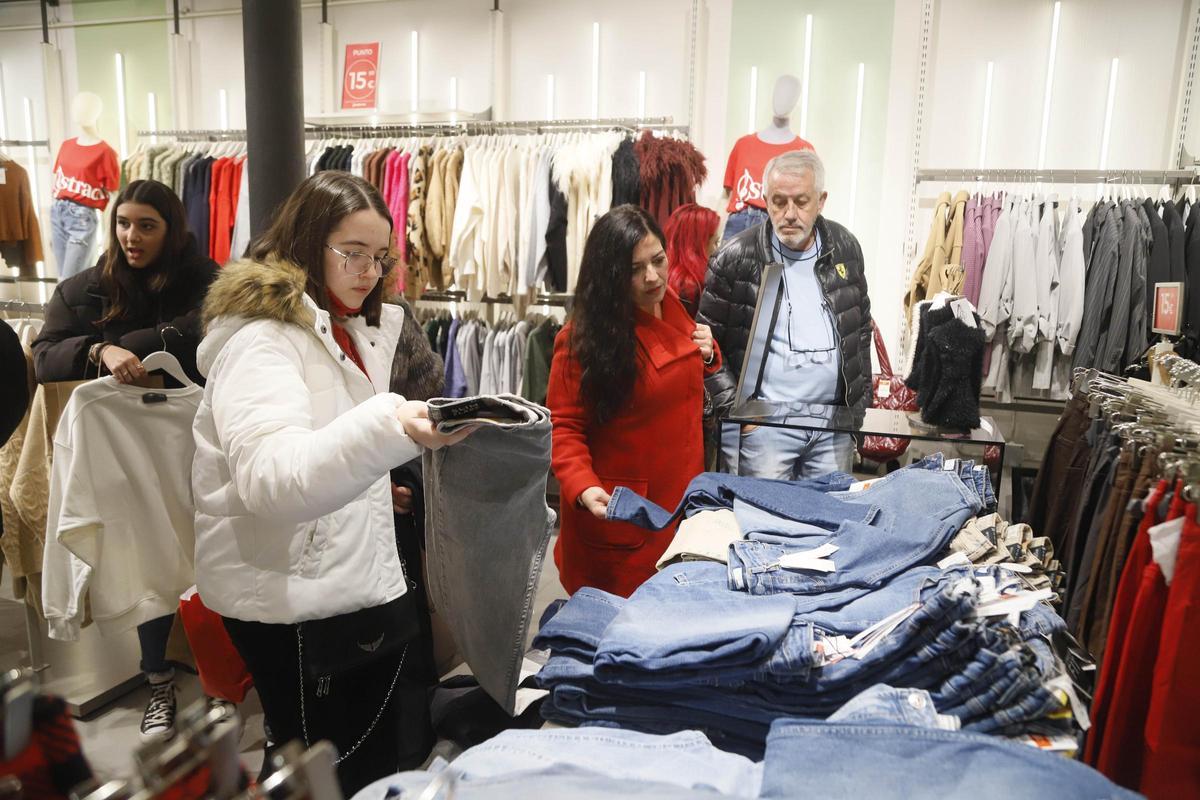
(274, 105)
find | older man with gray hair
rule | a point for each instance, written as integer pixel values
(820, 346)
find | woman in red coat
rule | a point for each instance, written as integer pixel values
(626, 397)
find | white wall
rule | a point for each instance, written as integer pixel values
(1148, 39)
(21, 57)
(455, 41)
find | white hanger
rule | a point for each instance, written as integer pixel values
(165, 361)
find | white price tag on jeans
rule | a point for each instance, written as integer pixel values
(958, 559)
(3, 176)
(814, 559)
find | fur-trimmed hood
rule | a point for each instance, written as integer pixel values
(254, 290)
(248, 291)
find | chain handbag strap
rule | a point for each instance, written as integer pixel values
(378, 715)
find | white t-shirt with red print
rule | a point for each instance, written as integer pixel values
(744, 172)
(85, 174)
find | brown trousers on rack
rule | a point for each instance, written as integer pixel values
(1097, 538)
(1107, 566)
(1059, 482)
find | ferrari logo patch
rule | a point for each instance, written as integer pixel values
(841, 271)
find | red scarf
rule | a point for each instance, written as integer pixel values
(338, 310)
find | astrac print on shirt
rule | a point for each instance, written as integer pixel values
(85, 174)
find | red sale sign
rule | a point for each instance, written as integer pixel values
(1168, 308)
(360, 76)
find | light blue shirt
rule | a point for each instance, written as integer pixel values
(804, 360)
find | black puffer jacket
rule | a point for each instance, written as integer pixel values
(731, 292)
(73, 313)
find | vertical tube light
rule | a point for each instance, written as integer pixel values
(1108, 112)
(641, 105)
(550, 97)
(987, 115)
(122, 122)
(753, 118)
(223, 108)
(1041, 162)
(804, 77)
(413, 82)
(856, 147)
(595, 70)
(152, 110)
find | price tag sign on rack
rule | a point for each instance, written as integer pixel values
(1168, 308)
(360, 76)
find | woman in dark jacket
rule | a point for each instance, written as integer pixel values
(107, 319)
(143, 296)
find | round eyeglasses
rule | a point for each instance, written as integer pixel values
(354, 263)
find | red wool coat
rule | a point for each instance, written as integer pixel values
(655, 446)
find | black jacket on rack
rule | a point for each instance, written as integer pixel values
(1159, 267)
(73, 315)
(1191, 293)
(1176, 241)
(14, 376)
(947, 372)
(731, 294)
(556, 239)
(626, 175)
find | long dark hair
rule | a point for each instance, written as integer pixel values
(602, 322)
(304, 222)
(127, 294)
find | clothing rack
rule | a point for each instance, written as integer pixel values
(1184, 372)
(561, 299)
(24, 143)
(23, 307)
(23, 279)
(466, 127)
(1132, 176)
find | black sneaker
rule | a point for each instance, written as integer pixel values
(158, 723)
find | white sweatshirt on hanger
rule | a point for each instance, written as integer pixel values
(121, 520)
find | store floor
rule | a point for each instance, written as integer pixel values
(111, 736)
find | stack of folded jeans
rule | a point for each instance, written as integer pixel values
(884, 743)
(834, 586)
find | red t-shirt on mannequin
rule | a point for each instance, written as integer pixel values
(744, 172)
(85, 174)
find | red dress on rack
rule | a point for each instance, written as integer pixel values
(655, 446)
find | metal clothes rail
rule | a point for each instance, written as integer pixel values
(456, 296)
(22, 307)
(22, 279)
(1131, 176)
(24, 143)
(463, 128)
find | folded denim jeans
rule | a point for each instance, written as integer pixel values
(686, 758)
(554, 781)
(884, 704)
(504, 411)
(710, 491)
(715, 636)
(862, 555)
(898, 762)
(488, 530)
(577, 627)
